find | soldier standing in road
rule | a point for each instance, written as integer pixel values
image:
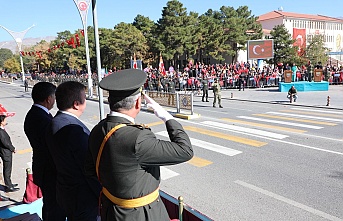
(126, 157)
(204, 82)
(171, 91)
(217, 93)
(26, 85)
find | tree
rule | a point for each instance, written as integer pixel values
(148, 29)
(172, 30)
(12, 65)
(213, 40)
(126, 40)
(284, 51)
(42, 61)
(4, 55)
(316, 51)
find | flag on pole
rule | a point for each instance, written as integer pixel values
(161, 68)
(134, 66)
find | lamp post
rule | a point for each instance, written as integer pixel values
(18, 38)
(83, 6)
(97, 50)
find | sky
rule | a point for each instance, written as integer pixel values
(51, 17)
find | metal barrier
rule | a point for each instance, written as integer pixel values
(179, 101)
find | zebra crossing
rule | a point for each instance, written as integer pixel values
(282, 123)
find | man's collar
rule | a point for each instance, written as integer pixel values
(71, 114)
(117, 114)
(42, 107)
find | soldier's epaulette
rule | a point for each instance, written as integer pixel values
(140, 126)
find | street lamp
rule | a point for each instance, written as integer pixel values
(83, 6)
(18, 38)
(97, 50)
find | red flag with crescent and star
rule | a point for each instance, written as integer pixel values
(161, 68)
(260, 49)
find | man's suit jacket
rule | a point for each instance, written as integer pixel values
(35, 126)
(6, 146)
(67, 140)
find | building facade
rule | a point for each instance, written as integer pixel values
(303, 27)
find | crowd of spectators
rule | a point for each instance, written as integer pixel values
(190, 78)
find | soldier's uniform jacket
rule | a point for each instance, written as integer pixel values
(216, 88)
(130, 163)
(171, 86)
(205, 84)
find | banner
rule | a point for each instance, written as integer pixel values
(260, 49)
(299, 35)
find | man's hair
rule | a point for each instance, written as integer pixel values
(41, 91)
(2, 118)
(125, 103)
(69, 92)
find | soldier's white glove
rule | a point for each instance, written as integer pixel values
(158, 110)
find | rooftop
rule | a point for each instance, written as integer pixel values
(278, 14)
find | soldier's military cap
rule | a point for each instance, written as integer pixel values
(124, 83)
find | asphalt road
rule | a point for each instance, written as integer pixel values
(258, 158)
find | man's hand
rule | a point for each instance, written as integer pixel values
(158, 110)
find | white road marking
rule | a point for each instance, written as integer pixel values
(289, 201)
(281, 122)
(280, 141)
(167, 173)
(209, 146)
(320, 111)
(246, 129)
(305, 116)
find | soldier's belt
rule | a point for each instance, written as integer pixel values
(132, 203)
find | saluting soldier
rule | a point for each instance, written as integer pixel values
(126, 157)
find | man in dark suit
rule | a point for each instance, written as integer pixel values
(127, 157)
(67, 139)
(44, 172)
(6, 153)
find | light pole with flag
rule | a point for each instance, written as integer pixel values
(83, 6)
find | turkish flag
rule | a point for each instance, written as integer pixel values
(299, 35)
(161, 68)
(260, 49)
